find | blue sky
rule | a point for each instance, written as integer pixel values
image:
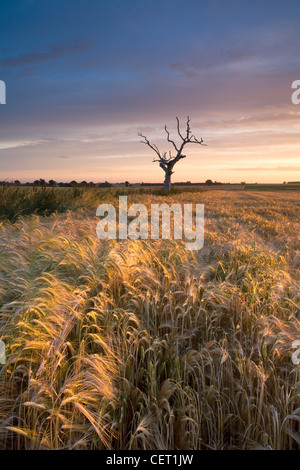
(83, 78)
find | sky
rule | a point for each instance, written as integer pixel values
(83, 78)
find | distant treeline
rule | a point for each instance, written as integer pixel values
(51, 183)
(83, 184)
(185, 183)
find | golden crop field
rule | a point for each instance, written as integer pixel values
(144, 345)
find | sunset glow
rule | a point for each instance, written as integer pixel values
(77, 99)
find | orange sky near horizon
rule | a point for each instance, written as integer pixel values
(262, 148)
(82, 84)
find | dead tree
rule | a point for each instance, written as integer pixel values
(167, 162)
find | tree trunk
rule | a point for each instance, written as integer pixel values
(167, 184)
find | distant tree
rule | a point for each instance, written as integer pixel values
(17, 183)
(126, 184)
(167, 163)
(73, 183)
(40, 182)
(52, 183)
(106, 184)
(208, 182)
(83, 183)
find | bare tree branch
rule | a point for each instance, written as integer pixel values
(196, 141)
(188, 129)
(154, 147)
(169, 140)
(167, 163)
(178, 129)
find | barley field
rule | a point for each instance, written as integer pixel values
(143, 344)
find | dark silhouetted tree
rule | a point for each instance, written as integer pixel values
(167, 162)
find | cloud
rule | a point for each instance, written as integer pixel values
(109, 157)
(217, 58)
(285, 120)
(54, 51)
(21, 143)
(260, 168)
